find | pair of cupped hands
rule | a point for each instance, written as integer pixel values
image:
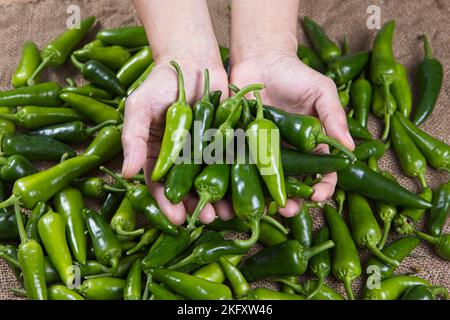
(289, 85)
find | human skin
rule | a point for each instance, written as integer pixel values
(181, 30)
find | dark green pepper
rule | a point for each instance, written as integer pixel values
(300, 227)
(441, 244)
(295, 163)
(15, 167)
(357, 131)
(320, 264)
(32, 223)
(324, 47)
(180, 180)
(106, 144)
(423, 292)
(310, 58)
(440, 210)
(393, 288)
(345, 68)
(133, 284)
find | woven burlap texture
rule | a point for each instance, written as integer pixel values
(21, 20)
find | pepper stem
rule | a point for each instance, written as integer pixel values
(254, 229)
(423, 181)
(76, 63)
(275, 224)
(71, 82)
(323, 138)
(348, 288)
(109, 188)
(233, 88)
(181, 91)
(439, 291)
(387, 228)
(330, 75)
(206, 81)
(9, 116)
(94, 129)
(298, 288)
(147, 288)
(147, 238)
(134, 233)
(310, 252)
(427, 47)
(427, 237)
(183, 262)
(253, 87)
(12, 261)
(204, 199)
(45, 62)
(320, 280)
(20, 227)
(9, 202)
(195, 235)
(380, 255)
(18, 292)
(120, 179)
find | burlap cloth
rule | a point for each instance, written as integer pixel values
(41, 21)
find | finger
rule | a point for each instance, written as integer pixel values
(224, 210)
(292, 208)
(332, 114)
(176, 213)
(207, 214)
(134, 136)
(324, 189)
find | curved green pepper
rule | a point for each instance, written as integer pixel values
(429, 78)
(366, 150)
(133, 285)
(441, 244)
(325, 292)
(69, 203)
(29, 61)
(178, 123)
(44, 94)
(324, 47)
(310, 58)
(213, 272)
(393, 288)
(235, 277)
(357, 131)
(146, 239)
(346, 266)
(123, 221)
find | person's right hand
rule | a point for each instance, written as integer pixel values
(145, 114)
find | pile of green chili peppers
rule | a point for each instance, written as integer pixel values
(62, 250)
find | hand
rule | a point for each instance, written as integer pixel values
(296, 88)
(145, 114)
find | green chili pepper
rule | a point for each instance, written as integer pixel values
(339, 197)
(213, 272)
(326, 49)
(180, 180)
(69, 203)
(93, 268)
(360, 179)
(135, 66)
(41, 186)
(246, 115)
(161, 293)
(29, 61)
(111, 203)
(94, 187)
(107, 247)
(211, 185)
(178, 123)
(411, 159)
(361, 97)
(124, 221)
(401, 91)
(364, 226)
(134, 36)
(393, 288)
(288, 258)
(125, 265)
(60, 292)
(270, 235)
(320, 264)
(344, 95)
(113, 57)
(15, 167)
(214, 98)
(92, 109)
(300, 226)
(346, 266)
(247, 198)
(32, 223)
(295, 163)
(192, 287)
(429, 79)
(104, 288)
(148, 238)
(267, 294)
(31, 117)
(397, 250)
(325, 292)
(345, 68)
(133, 285)
(44, 94)
(142, 201)
(136, 84)
(310, 58)
(407, 219)
(301, 131)
(295, 188)
(99, 74)
(441, 244)
(58, 50)
(8, 253)
(440, 210)
(235, 278)
(424, 292)
(31, 260)
(369, 149)
(7, 127)
(357, 131)
(52, 233)
(106, 144)
(35, 148)
(87, 90)
(436, 152)
(383, 70)
(70, 132)
(8, 225)
(268, 162)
